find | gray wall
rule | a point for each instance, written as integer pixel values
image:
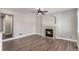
(66, 24)
(1, 24)
(8, 24)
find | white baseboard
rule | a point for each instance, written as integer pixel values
(73, 40)
(38, 34)
(16, 37)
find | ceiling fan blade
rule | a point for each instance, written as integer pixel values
(45, 11)
(42, 13)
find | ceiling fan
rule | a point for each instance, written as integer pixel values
(40, 11)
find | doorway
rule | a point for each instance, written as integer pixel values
(7, 25)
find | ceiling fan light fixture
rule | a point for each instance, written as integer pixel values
(39, 13)
(36, 8)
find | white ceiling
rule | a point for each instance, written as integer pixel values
(30, 10)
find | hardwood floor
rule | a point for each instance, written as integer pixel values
(39, 43)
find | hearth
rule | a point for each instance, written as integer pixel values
(49, 32)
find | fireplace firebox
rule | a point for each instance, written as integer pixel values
(49, 32)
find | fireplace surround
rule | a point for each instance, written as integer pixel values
(49, 31)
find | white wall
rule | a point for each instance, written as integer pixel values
(23, 23)
(38, 24)
(66, 24)
(48, 20)
(0, 41)
(78, 26)
(29, 24)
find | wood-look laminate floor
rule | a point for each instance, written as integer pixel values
(39, 43)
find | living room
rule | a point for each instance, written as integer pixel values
(53, 24)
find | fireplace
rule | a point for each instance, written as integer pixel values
(49, 32)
